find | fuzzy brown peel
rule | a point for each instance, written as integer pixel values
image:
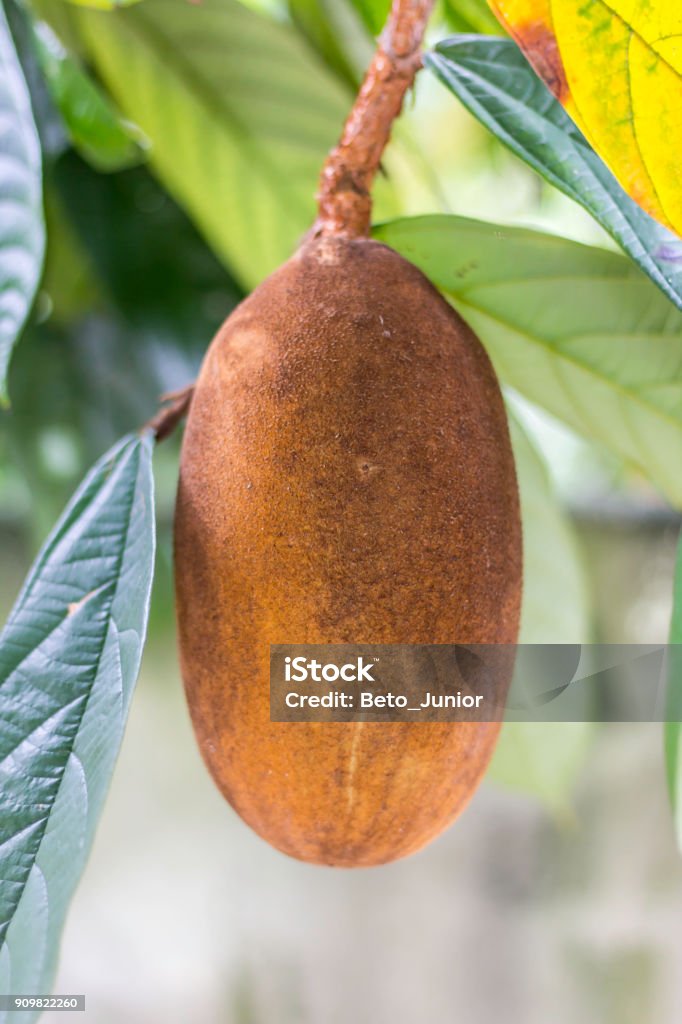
(346, 477)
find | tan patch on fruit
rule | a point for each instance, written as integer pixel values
(346, 477)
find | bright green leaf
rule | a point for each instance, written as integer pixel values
(374, 13)
(497, 84)
(576, 329)
(104, 5)
(22, 234)
(69, 657)
(239, 114)
(93, 125)
(471, 16)
(544, 758)
(673, 726)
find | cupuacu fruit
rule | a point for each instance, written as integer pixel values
(346, 477)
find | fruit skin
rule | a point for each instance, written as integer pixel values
(346, 477)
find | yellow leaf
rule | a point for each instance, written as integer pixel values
(616, 65)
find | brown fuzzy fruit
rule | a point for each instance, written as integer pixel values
(346, 477)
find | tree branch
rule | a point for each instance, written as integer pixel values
(344, 201)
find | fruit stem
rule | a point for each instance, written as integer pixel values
(175, 405)
(344, 202)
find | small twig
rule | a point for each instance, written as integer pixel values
(175, 405)
(344, 201)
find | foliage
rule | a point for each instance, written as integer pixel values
(576, 329)
(69, 658)
(544, 758)
(21, 226)
(337, 32)
(93, 124)
(673, 728)
(492, 78)
(577, 47)
(175, 149)
(238, 131)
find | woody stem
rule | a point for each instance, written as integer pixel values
(344, 200)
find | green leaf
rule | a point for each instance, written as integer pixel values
(495, 82)
(673, 725)
(374, 13)
(104, 5)
(576, 329)
(556, 606)
(335, 31)
(22, 235)
(471, 16)
(238, 111)
(48, 121)
(544, 758)
(178, 293)
(69, 657)
(93, 125)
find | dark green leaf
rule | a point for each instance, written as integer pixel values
(673, 726)
(22, 237)
(135, 296)
(69, 657)
(577, 329)
(496, 83)
(125, 222)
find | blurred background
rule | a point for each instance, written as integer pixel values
(558, 895)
